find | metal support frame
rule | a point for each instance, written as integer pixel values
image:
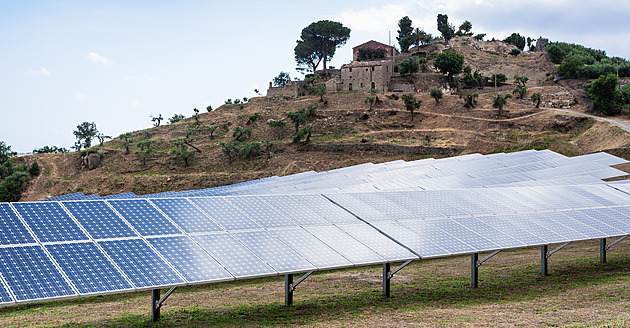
(475, 263)
(388, 275)
(289, 286)
(602, 250)
(615, 242)
(545, 255)
(156, 302)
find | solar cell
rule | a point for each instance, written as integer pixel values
(147, 220)
(324, 207)
(383, 204)
(344, 244)
(503, 224)
(88, 268)
(190, 259)
(186, 215)
(416, 242)
(420, 209)
(427, 229)
(594, 222)
(385, 247)
(358, 207)
(235, 257)
(99, 220)
(273, 251)
(31, 275)
(299, 213)
(49, 222)
(140, 263)
(12, 231)
(311, 248)
(5, 297)
(261, 212)
(490, 233)
(530, 222)
(224, 213)
(431, 200)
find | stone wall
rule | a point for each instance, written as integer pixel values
(365, 77)
(293, 89)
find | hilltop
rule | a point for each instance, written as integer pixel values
(346, 132)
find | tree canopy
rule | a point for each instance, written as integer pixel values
(447, 30)
(404, 32)
(319, 41)
(84, 133)
(605, 94)
(465, 29)
(516, 40)
(449, 62)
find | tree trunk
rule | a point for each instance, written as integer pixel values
(195, 148)
(500, 110)
(325, 55)
(281, 132)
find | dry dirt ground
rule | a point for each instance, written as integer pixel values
(579, 292)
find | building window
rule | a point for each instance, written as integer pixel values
(372, 68)
(361, 85)
(366, 69)
(373, 85)
(350, 69)
(349, 86)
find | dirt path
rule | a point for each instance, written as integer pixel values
(625, 125)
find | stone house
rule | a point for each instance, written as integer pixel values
(364, 76)
(292, 89)
(373, 45)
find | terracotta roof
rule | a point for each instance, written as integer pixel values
(380, 43)
(367, 63)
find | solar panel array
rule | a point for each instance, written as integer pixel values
(362, 215)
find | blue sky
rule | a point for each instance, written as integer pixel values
(117, 62)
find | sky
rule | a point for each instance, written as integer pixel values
(118, 62)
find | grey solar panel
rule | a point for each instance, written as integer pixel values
(496, 236)
(12, 231)
(344, 244)
(224, 213)
(88, 268)
(261, 212)
(385, 247)
(324, 207)
(297, 212)
(186, 215)
(358, 207)
(421, 210)
(593, 221)
(504, 225)
(428, 229)
(383, 204)
(98, 219)
(144, 267)
(146, 219)
(31, 275)
(273, 251)
(311, 248)
(234, 256)
(49, 222)
(540, 227)
(190, 260)
(420, 245)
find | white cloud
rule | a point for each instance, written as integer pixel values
(81, 96)
(41, 71)
(372, 19)
(96, 58)
(136, 103)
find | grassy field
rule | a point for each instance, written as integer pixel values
(580, 292)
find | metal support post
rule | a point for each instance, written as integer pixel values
(155, 305)
(543, 260)
(602, 250)
(474, 270)
(386, 280)
(288, 289)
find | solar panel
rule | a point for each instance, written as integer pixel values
(261, 212)
(31, 275)
(273, 251)
(420, 245)
(190, 259)
(5, 297)
(429, 230)
(12, 231)
(99, 220)
(504, 225)
(87, 268)
(234, 256)
(385, 247)
(186, 215)
(358, 207)
(49, 222)
(322, 206)
(146, 219)
(312, 249)
(299, 213)
(144, 267)
(344, 244)
(224, 213)
(487, 231)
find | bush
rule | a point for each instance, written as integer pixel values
(371, 53)
(250, 150)
(605, 95)
(437, 94)
(515, 52)
(176, 118)
(34, 169)
(500, 78)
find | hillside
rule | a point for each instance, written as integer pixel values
(345, 132)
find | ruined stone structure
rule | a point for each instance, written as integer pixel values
(540, 44)
(365, 76)
(292, 89)
(373, 45)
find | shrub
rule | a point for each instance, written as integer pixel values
(250, 150)
(437, 94)
(515, 52)
(34, 169)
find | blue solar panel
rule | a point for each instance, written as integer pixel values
(235, 257)
(190, 259)
(186, 215)
(31, 275)
(299, 213)
(99, 220)
(88, 268)
(228, 216)
(5, 297)
(140, 263)
(49, 221)
(282, 258)
(147, 220)
(322, 206)
(12, 231)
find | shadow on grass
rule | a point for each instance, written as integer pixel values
(497, 285)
